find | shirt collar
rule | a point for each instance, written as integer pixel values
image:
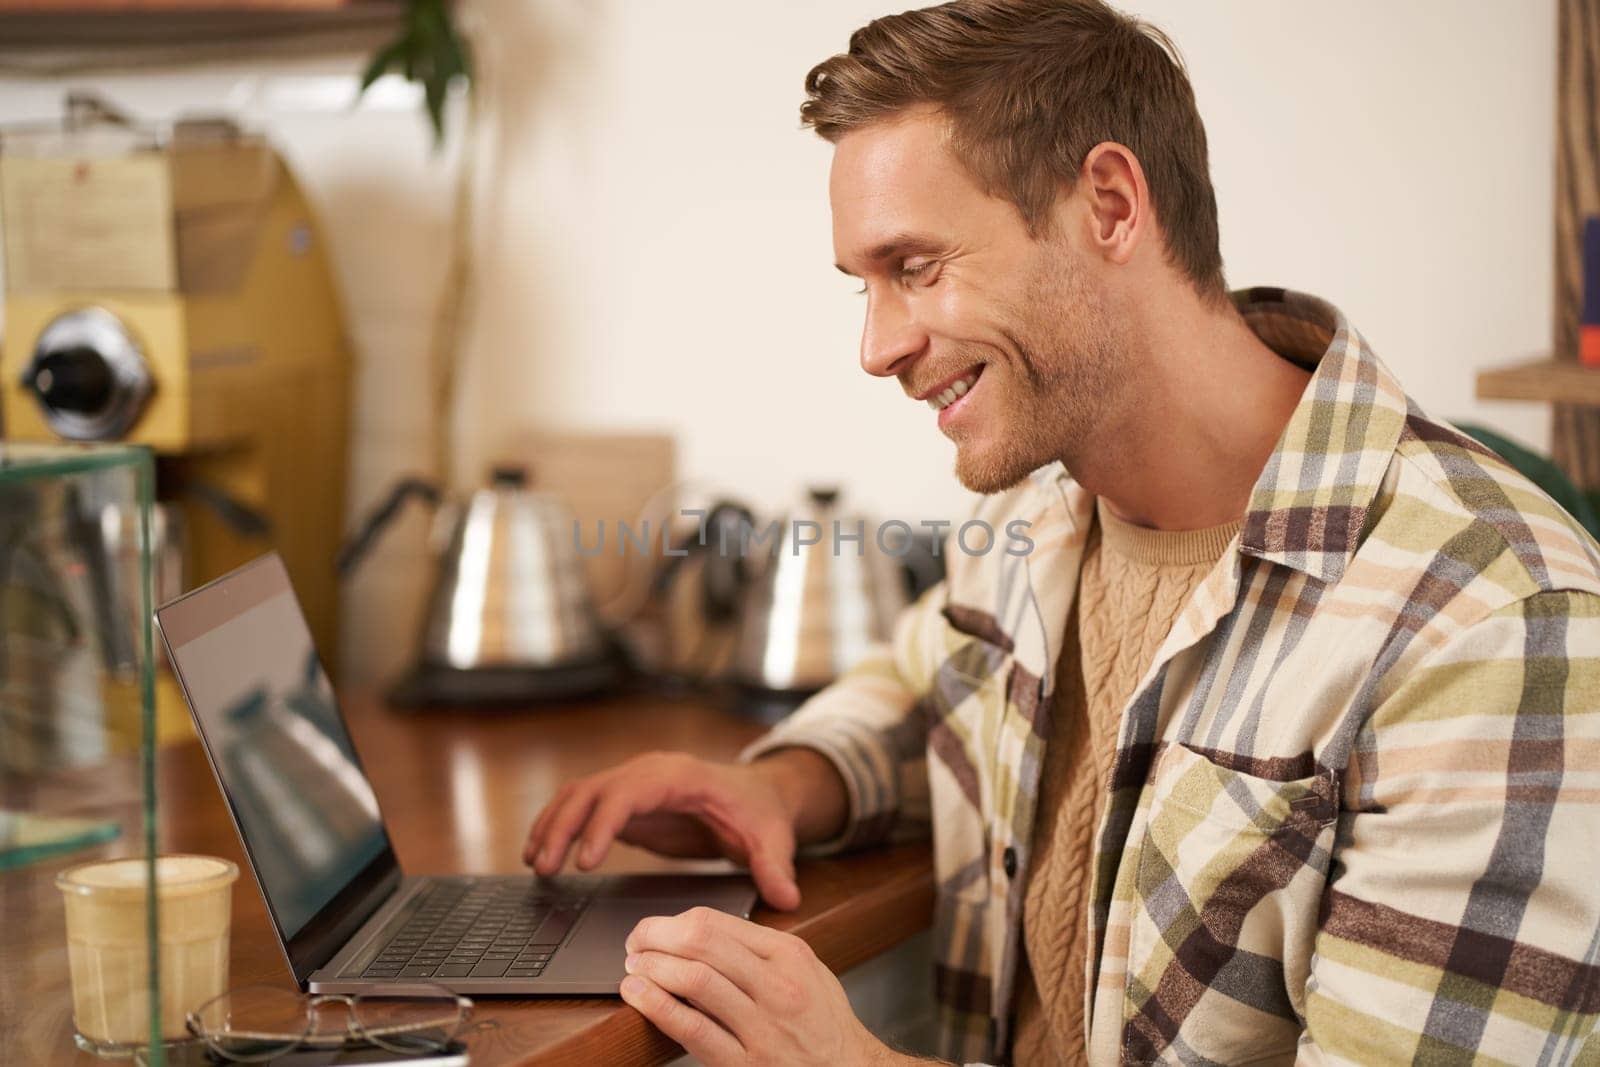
(1310, 505)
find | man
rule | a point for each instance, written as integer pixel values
(1283, 743)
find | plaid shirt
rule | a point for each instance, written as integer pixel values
(1354, 814)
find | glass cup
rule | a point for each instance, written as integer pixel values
(107, 945)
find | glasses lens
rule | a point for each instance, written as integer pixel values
(252, 1024)
(423, 1019)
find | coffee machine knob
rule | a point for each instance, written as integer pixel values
(74, 379)
(89, 376)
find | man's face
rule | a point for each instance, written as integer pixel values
(965, 307)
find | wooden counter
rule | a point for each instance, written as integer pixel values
(458, 792)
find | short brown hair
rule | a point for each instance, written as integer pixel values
(1029, 87)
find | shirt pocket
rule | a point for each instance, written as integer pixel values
(1230, 874)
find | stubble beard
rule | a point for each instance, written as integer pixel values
(1053, 391)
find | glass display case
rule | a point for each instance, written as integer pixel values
(77, 738)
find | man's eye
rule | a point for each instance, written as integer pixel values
(908, 271)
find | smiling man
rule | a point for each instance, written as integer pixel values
(1283, 744)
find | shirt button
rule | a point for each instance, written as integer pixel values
(1009, 861)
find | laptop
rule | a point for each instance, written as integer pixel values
(348, 918)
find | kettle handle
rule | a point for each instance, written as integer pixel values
(353, 550)
(724, 577)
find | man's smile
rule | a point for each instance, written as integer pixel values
(947, 396)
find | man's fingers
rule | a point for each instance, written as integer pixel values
(564, 825)
(541, 824)
(772, 867)
(692, 1029)
(611, 814)
(696, 935)
(768, 847)
(702, 985)
(708, 934)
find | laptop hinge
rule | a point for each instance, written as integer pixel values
(322, 938)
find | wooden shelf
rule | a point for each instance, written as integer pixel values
(89, 7)
(1548, 380)
(64, 37)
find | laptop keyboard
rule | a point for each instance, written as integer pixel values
(479, 929)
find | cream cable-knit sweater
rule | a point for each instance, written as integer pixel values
(1133, 584)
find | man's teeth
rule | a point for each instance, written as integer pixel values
(954, 393)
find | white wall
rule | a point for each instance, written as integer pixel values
(1398, 159)
(663, 253)
(655, 246)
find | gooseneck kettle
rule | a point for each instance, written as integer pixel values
(509, 617)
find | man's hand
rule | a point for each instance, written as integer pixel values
(679, 805)
(732, 992)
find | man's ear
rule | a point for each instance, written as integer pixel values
(1112, 184)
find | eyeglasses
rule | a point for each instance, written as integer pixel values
(256, 1023)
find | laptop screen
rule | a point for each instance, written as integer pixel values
(277, 741)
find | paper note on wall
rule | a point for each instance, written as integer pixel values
(87, 223)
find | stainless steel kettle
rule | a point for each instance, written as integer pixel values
(827, 593)
(509, 617)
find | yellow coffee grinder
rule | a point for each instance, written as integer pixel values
(166, 285)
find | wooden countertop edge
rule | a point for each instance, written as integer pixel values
(843, 936)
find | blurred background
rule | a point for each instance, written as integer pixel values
(643, 227)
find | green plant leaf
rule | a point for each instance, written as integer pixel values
(429, 52)
(381, 62)
(433, 92)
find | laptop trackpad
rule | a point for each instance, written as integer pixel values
(596, 952)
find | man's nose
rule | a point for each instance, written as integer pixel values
(891, 338)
